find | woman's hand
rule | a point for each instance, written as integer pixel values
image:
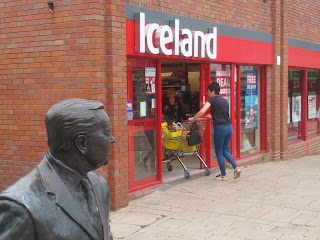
(208, 116)
(191, 119)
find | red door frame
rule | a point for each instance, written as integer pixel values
(304, 105)
(238, 103)
(233, 108)
(159, 120)
(236, 121)
(202, 99)
(135, 185)
(208, 139)
(304, 93)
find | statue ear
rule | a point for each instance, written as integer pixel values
(81, 143)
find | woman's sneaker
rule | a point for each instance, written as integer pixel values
(237, 173)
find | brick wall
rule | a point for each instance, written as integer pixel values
(299, 149)
(304, 20)
(253, 14)
(47, 57)
(116, 77)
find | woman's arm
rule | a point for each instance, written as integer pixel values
(202, 111)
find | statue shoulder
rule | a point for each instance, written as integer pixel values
(25, 185)
(25, 192)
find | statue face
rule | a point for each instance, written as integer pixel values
(99, 142)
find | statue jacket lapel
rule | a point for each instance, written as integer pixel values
(64, 199)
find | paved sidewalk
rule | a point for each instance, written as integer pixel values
(275, 200)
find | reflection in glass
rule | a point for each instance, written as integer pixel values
(144, 154)
(143, 125)
(143, 94)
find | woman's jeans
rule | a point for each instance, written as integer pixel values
(221, 137)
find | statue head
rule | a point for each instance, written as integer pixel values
(79, 134)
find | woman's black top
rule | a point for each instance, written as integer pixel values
(219, 110)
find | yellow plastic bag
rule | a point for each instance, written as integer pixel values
(186, 148)
(173, 139)
(164, 126)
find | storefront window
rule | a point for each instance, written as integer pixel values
(220, 73)
(143, 93)
(294, 105)
(313, 103)
(142, 122)
(249, 110)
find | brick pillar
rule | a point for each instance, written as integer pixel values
(284, 79)
(278, 83)
(116, 99)
(274, 85)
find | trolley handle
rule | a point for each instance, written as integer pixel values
(197, 120)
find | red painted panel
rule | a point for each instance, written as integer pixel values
(244, 51)
(229, 49)
(299, 57)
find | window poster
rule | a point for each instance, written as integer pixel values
(223, 78)
(150, 77)
(312, 108)
(251, 116)
(143, 109)
(296, 108)
(251, 99)
(153, 103)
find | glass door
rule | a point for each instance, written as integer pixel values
(142, 121)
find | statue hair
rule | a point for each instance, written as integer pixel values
(69, 118)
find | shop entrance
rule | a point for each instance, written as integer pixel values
(149, 82)
(181, 85)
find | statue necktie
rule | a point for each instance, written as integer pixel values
(92, 205)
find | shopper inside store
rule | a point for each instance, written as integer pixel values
(172, 108)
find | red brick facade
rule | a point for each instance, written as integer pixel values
(80, 51)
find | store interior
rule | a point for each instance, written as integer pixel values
(184, 78)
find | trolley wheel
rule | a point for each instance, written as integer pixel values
(186, 174)
(207, 172)
(169, 167)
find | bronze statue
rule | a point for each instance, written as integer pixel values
(61, 198)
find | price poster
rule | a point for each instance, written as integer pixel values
(251, 99)
(296, 108)
(223, 78)
(312, 108)
(150, 77)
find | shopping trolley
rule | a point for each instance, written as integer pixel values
(175, 144)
